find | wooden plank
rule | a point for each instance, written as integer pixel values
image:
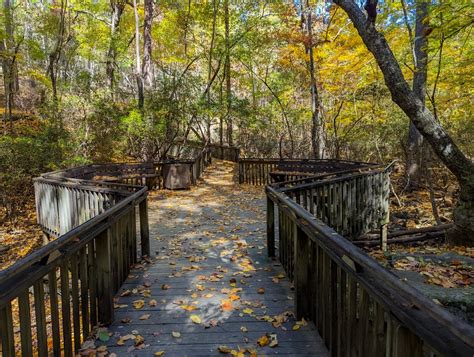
(6, 330)
(75, 306)
(83, 272)
(66, 310)
(302, 303)
(25, 323)
(40, 317)
(144, 230)
(270, 227)
(92, 282)
(104, 279)
(54, 312)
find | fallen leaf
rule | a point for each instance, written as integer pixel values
(226, 305)
(138, 304)
(263, 341)
(139, 340)
(145, 317)
(196, 319)
(188, 307)
(224, 349)
(159, 353)
(103, 336)
(176, 334)
(273, 340)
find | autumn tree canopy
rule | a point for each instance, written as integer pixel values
(108, 80)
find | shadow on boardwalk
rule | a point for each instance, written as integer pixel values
(210, 266)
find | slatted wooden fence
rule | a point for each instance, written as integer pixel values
(229, 153)
(359, 307)
(352, 204)
(257, 171)
(59, 293)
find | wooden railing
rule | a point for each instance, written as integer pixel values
(257, 171)
(352, 204)
(59, 293)
(359, 307)
(224, 152)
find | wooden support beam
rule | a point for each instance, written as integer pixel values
(270, 227)
(144, 229)
(105, 294)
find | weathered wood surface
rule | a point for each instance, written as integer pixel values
(196, 234)
(84, 267)
(257, 172)
(359, 307)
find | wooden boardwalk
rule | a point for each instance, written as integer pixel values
(210, 266)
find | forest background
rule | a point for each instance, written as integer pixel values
(95, 81)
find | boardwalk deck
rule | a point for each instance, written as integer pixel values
(210, 255)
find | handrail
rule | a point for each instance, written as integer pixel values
(95, 221)
(66, 238)
(440, 329)
(358, 306)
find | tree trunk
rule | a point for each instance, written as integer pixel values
(209, 67)
(117, 7)
(317, 125)
(423, 119)
(415, 160)
(227, 73)
(138, 67)
(54, 60)
(148, 77)
(8, 64)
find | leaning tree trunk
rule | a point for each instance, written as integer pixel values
(414, 165)
(148, 76)
(117, 8)
(423, 119)
(227, 73)
(138, 67)
(317, 125)
(8, 63)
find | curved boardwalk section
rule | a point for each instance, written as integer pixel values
(210, 285)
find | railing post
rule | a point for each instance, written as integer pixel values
(105, 293)
(241, 172)
(144, 230)
(383, 237)
(301, 263)
(270, 227)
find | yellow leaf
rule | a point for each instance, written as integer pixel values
(247, 311)
(263, 341)
(159, 353)
(188, 307)
(138, 304)
(224, 349)
(196, 319)
(296, 327)
(176, 334)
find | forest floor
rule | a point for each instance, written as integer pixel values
(19, 236)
